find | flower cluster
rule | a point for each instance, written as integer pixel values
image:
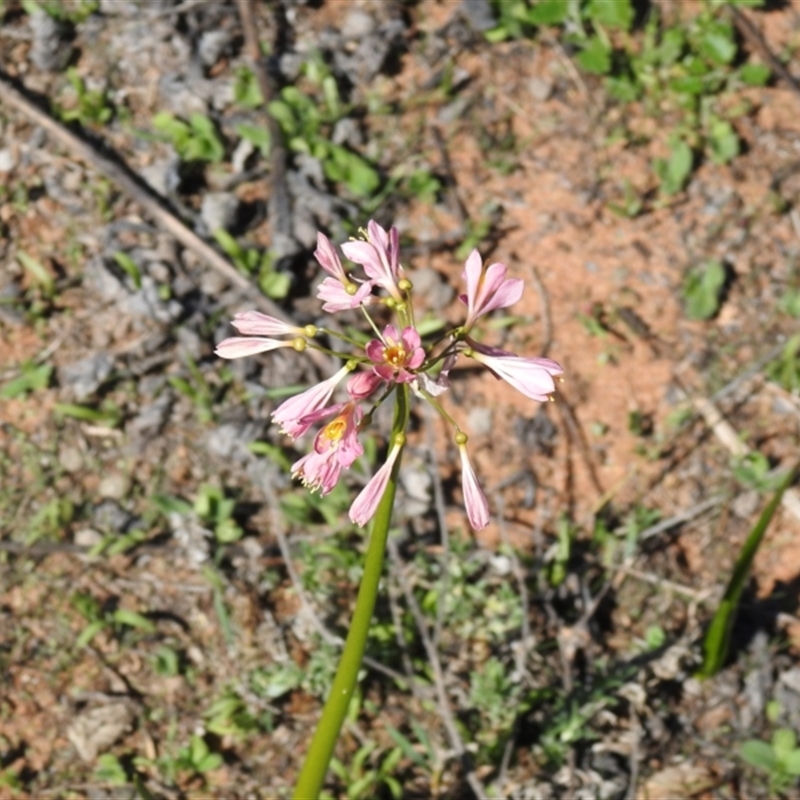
(395, 359)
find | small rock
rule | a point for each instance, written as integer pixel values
(163, 176)
(682, 780)
(791, 679)
(430, 285)
(746, 504)
(357, 24)
(98, 277)
(70, 458)
(96, 729)
(417, 482)
(212, 45)
(87, 537)
(479, 421)
(229, 441)
(479, 14)
(540, 88)
(51, 48)
(192, 537)
(7, 160)
(219, 210)
(114, 486)
(147, 424)
(147, 302)
(347, 132)
(110, 516)
(85, 377)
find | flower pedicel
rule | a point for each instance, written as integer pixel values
(396, 356)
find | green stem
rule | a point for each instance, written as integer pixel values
(312, 775)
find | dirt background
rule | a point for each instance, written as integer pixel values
(524, 141)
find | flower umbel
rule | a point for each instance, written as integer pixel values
(387, 365)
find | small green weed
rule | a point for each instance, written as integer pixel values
(195, 140)
(703, 290)
(117, 621)
(92, 106)
(779, 759)
(307, 123)
(32, 378)
(252, 262)
(230, 716)
(368, 771)
(216, 511)
(753, 471)
(198, 390)
(785, 370)
(108, 414)
(74, 12)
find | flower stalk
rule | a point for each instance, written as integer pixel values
(312, 774)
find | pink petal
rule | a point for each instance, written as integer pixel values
(362, 385)
(319, 472)
(411, 338)
(240, 346)
(289, 414)
(472, 275)
(328, 258)
(335, 297)
(366, 504)
(254, 323)
(374, 351)
(474, 498)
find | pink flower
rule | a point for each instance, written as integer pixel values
(341, 434)
(474, 498)
(292, 415)
(338, 292)
(395, 354)
(254, 323)
(379, 256)
(366, 504)
(318, 471)
(531, 376)
(240, 346)
(336, 447)
(258, 329)
(362, 385)
(487, 290)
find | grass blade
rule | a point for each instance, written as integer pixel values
(717, 639)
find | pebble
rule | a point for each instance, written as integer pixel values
(114, 486)
(7, 160)
(479, 14)
(70, 458)
(109, 516)
(479, 421)
(430, 285)
(51, 48)
(219, 211)
(84, 377)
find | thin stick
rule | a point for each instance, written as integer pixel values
(679, 519)
(751, 33)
